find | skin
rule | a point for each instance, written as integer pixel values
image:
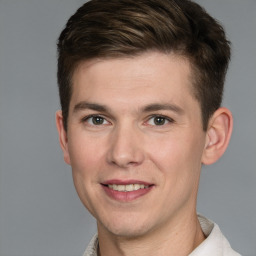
(126, 96)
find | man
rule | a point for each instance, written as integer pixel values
(140, 85)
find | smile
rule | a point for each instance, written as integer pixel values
(127, 188)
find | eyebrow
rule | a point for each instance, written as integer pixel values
(87, 105)
(165, 106)
(83, 105)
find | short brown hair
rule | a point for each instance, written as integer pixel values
(117, 28)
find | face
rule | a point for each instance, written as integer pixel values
(135, 142)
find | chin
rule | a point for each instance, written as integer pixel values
(129, 232)
(128, 229)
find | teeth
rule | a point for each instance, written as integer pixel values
(136, 186)
(127, 188)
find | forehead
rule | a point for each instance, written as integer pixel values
(151, 76)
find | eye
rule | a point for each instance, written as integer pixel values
(96, 120)
(159, 120)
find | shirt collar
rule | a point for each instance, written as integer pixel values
(92, 247)
(215, 243)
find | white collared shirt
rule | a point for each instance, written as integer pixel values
(215, 243)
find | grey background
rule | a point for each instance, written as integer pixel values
(40, 213)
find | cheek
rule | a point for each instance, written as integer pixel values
(165, 152)
(84, 151)
(177, 155)
(86, 162)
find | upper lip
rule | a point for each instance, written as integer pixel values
(125, 182)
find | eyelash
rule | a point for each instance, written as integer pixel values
(168, 119)
(85, 119)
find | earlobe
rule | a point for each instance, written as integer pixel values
(218, 135)
(62, 136)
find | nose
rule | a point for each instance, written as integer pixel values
(126, 147)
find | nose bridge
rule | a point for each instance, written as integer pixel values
(126, 145)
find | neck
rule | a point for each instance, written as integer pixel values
(178, 238)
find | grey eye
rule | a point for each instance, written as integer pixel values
(97, 120)
(158, 120)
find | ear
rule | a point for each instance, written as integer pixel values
(217, 136)
(62, 136)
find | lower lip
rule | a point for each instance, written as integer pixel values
(126, 196)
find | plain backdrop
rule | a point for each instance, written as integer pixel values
(40, 213)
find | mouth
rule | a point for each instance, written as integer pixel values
(126, 190)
